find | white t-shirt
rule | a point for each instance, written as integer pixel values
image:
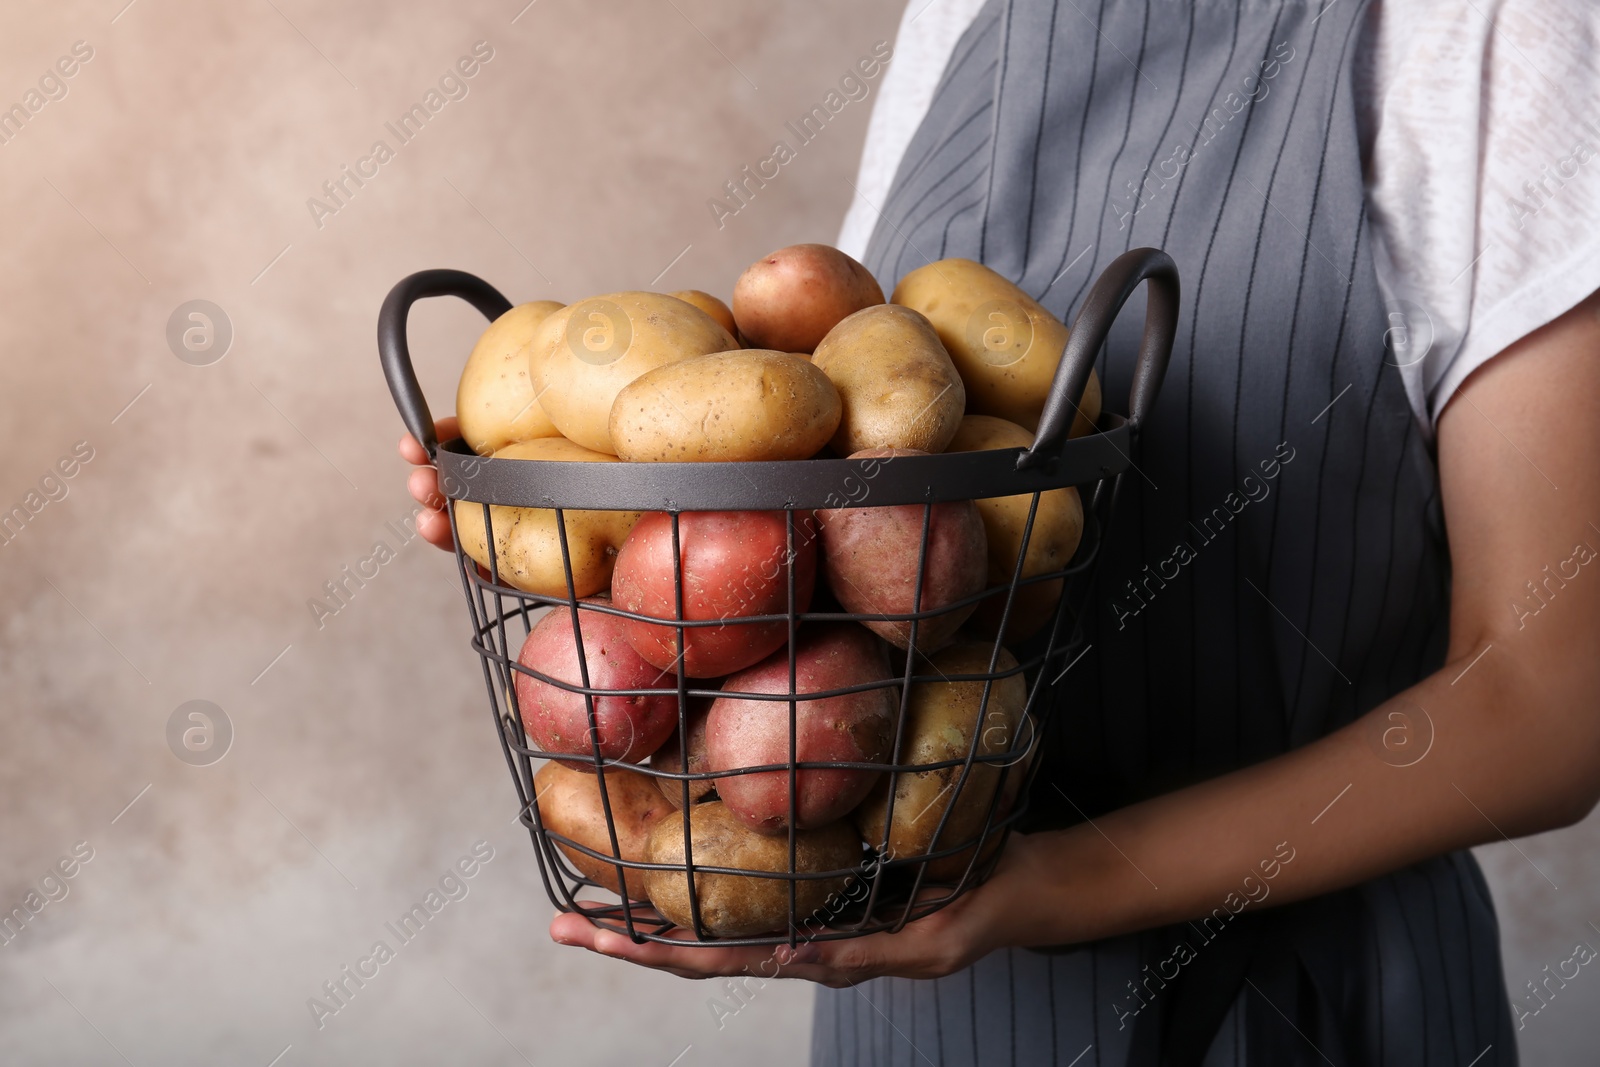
(1481, 123)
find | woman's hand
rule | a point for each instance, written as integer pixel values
(432, 522)
(942, 943)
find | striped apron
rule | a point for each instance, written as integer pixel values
(1278, 565)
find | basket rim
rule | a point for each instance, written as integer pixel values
(776, 485)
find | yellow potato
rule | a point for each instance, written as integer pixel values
(899, 387)
(527, 543)
(495, 401)
(1057, 528)
(745, 404)
(744, 905)
(669, 758)
(1005, 344)
(581, 356)
(570, 805)
(941, 718)
(711, 306)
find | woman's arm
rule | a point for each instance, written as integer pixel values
(1513, 719)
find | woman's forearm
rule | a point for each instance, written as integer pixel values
(1454, 761)
(1502, 741)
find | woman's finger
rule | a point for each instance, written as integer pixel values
(930, 947)
(434, 526)
(432, 522)
(423, 483)
(697, 960)
(411, 450)
(688, 961)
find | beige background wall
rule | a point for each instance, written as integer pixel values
(179, 563)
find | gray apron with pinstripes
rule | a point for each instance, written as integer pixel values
(1278, 566)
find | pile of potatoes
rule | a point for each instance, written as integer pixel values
(810, 361)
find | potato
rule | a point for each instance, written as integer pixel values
(1057, 528)
(570, 805)
(495, 401)
(1005, 344)
(733, 565)
(669, 758)
(527, 541)
(899, 387)
(870, 555)
(557, 720)
(581, 356)
(711, 306)
(855, 728)
(941, 719)
(747, 404)
(790, 299)
(745, 905)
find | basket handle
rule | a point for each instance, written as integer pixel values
(1089, 329)
(395, 354)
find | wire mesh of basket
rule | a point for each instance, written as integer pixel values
(810, 892)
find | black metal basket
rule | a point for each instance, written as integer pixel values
(884, 891)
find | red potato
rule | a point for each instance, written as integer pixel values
(570, 805)
(628, 727)
(669, 758)
(854, 727)
(790, 299)
(733, 566)
(870, 556)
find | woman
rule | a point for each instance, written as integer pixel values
(1346, 627)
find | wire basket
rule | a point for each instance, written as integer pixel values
(879, 889)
